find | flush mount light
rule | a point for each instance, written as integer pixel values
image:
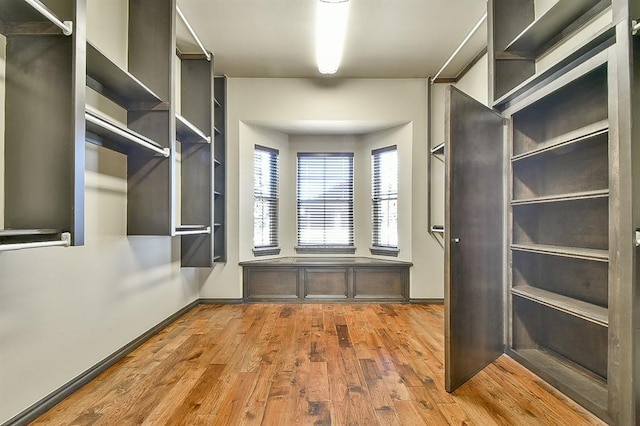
(331, 28)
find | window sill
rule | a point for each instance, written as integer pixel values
(325, 249)
(384, 251)
(266, 251)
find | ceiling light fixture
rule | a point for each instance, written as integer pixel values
(331, 29)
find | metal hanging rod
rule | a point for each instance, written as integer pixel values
(65, 241)
(165, 152)
(193, 33)
(65, 26)
(439, 229)
(455, 52)
(197, 230)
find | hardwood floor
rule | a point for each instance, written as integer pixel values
(308, 364)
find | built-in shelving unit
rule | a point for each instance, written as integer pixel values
(560, 235)
(194, 126)
(220, 169)
(44, 122)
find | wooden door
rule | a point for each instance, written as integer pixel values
(474, 243)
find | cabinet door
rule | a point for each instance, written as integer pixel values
(474, 206)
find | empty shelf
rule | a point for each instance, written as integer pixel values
(438, 149)
(550, 24)
(573, 252)
(563, 375)
(587, 311)
(187, 132)
(604, 38)
(117, 84)
(114, 135)
(579, 135)
(192, 230)
(603, 193)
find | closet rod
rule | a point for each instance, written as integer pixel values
(193, 33)
(165, 152)
(206, 230)
(65, 241)
(466, 39)
(66, 26)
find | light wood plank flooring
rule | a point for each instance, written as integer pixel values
(273, 364)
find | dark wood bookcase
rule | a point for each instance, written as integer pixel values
(565, 289)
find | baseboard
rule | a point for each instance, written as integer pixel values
(210, 301)
(55, 397)
(427, 301)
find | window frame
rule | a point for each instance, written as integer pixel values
(273, 247)
(377, 197)
(349, 248)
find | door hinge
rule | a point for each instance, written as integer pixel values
(635, 26)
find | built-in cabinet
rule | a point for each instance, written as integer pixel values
(175, 168)
(44, 123)
(568, 287)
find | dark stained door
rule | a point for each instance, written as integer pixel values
(474, 205)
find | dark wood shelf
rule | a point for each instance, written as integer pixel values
(583, 134)
(572, 252)
(187, 132)
(115, 83)
(599, 41)
(564, 375)
(106, 132)
(584, 310)
(585, 195)
(550, 24)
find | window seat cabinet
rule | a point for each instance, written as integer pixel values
(325, 279)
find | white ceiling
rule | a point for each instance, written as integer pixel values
(385, 38)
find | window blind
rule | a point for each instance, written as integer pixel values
(325, 200)
(384, 193)
(265, 193)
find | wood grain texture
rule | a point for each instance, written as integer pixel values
(273, 364)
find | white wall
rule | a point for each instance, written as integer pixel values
(64, 310)
(274, 102)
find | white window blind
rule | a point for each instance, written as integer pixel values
(265, 193)
(384, 193)
(325, 200)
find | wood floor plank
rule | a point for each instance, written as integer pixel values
(315, 364)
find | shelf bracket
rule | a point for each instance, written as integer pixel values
(635, 27)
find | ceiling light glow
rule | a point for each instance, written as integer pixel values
(331, 29)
